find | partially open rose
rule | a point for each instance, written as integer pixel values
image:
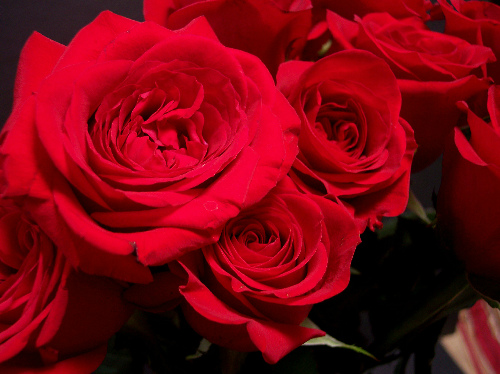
(468, 202)
(273, 262)
(353, 145)
(137, 142)
(51, 317)
(255, 286)
(434, 71)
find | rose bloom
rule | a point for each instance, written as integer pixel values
(320, 38)
(353, 145)
(139, 143)
(273, 30)
(52, 318)
(397, 8)
(434, 71)
(253, 288)
(478, 22)
(468, 201)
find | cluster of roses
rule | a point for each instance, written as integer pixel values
(226, 155)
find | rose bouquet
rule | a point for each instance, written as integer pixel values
(228, 184)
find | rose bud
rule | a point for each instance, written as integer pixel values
(468, 204)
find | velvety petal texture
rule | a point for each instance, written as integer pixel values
(252, 289)
(52, 318)
(139, 143)
(434, 71)
(353, 145)
(271, 30)
(396, 8)
(319, 40)
(468, 201)
(478, 22)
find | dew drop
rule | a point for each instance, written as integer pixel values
(211, 206)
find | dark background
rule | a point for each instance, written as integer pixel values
(60, 20)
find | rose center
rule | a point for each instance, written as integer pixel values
(339, 124)
(152, 124)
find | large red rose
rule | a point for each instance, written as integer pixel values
(52, 318)
(139, 143)
(478, 22)
(468, 202)
(252, 289)
(434, 71)
(273, 30)
(352, 145)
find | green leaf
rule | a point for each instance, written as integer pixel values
(330, 341)
(355, 271)
(202, 349)
(389, 228)
(416, 207)
(450, 293)
(325, 47)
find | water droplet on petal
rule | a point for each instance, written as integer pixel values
(211, 206)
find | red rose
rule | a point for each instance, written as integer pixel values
(319, 40)
(271, 30)
(253, 288)
(137, 142)
(434, 71)
(53, 319)
(397, 8)
(292, 5)
(468, 202)
(478, 22)
(352, 144)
